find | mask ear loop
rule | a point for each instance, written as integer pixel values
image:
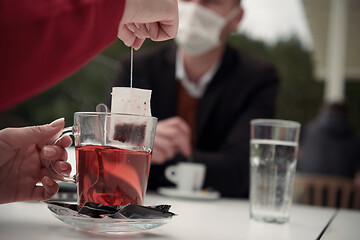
(231, 15)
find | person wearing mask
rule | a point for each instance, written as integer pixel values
(204, 94)
(41, 43)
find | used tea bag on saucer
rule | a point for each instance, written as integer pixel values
(132, 101)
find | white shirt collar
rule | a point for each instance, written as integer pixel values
(194, 90)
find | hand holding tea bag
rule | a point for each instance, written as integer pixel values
(155, 19)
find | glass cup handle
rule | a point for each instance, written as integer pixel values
(62, 177)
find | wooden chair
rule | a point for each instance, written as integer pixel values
(326, 190)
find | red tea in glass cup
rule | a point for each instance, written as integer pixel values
(113, 154)
(111, 176)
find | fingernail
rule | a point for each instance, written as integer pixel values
(130, 28)
(147, 26)
(57, 122)
(63, 166)
(48, 181)
(49, 151)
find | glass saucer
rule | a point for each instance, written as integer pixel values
(109, 225)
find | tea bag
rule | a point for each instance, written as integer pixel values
(134, 101)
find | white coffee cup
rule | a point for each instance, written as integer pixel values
(187, 176)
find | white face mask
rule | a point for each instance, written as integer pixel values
(199, 28)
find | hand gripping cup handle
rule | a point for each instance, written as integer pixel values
(68, 131)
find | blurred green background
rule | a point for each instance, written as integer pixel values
(300, 96)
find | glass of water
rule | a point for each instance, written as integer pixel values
(273, 156)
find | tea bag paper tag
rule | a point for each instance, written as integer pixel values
(131, 101)
(129, 131)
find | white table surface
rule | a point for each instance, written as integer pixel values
(346, 225)
(220, 219)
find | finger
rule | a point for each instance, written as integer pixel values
(127, 36)
(185, 148)
(54, 158)
(45, 192)
(54, 171)
(165, 146)
(178, 132)
(50, 187)
(59, 124)
(20, 137)
(52, 152)
(181, 142)
(138, 43)
(132, 27)
(158, 157)
(165, 30)
(64, 142)
(178, 123)
(153, 30)
(141, 31)
(139, 40)
(178, 140)
(163, 149)
(63, 168)
(173, 134)
(182, 126)
(183, 145)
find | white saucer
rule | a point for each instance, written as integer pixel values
(198, 195)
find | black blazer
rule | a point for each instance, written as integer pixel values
(242, 89)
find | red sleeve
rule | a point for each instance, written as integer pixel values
(43, 41)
